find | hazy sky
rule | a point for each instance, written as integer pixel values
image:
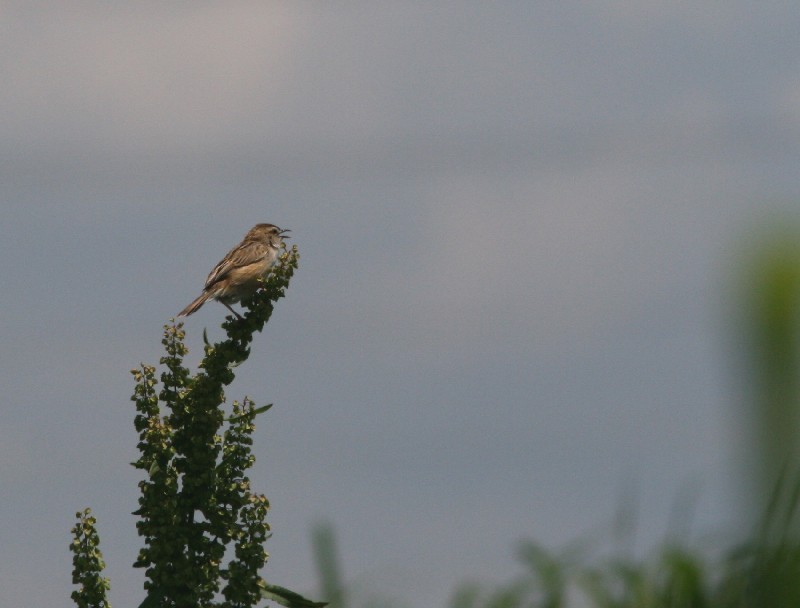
(515, 223)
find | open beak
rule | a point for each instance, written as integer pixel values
(283, 235)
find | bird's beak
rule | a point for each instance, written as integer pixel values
(282, 234)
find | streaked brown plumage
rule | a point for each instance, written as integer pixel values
(237, 274)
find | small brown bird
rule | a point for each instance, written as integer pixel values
(236, 276)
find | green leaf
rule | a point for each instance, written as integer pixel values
(286, 597)
(258, 410)
(262, 409)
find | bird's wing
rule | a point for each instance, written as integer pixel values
(242, 255)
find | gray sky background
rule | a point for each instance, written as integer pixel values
(515, 222)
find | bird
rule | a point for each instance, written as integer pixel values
(237, 274)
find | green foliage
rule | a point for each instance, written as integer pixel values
(203, 527)
(763, 571)
(286, 597)
(756, 574)
(769, 327)
(327, 562)
(88, 564)
(332, 583)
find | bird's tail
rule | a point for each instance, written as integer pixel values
(196, 303)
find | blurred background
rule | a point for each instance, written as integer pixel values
(523, 230)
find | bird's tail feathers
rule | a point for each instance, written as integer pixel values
(195, 305)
